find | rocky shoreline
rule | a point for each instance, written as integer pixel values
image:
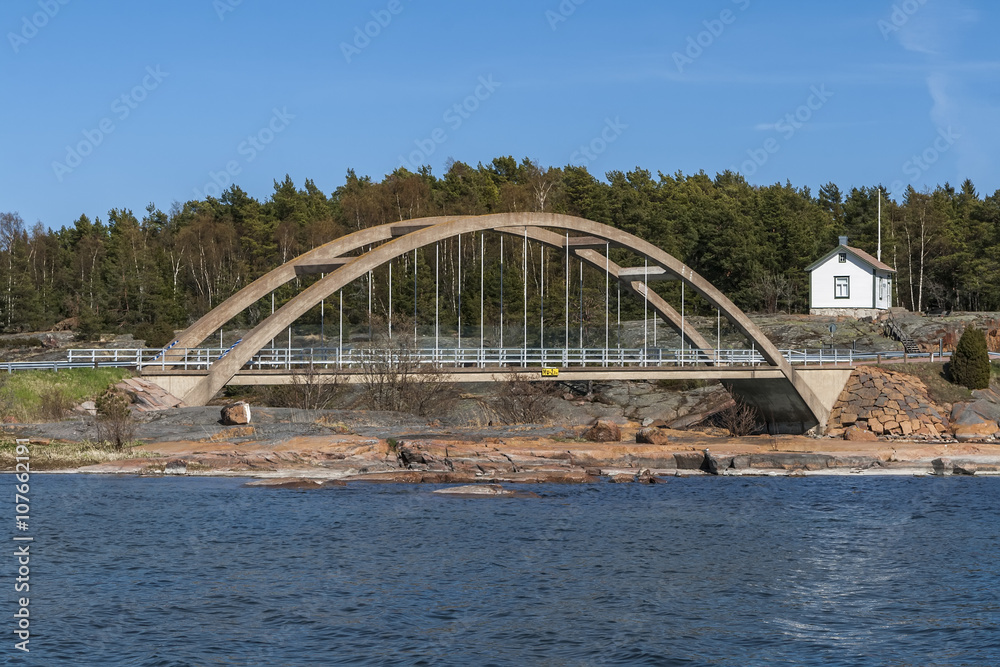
(884, 423)
(294, 445)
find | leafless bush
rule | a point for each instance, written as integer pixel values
(310, 389)
(54, 404)
(394, 378)
(115, 423)
(740, 418)
(517, 399)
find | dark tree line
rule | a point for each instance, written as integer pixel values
(151, 274)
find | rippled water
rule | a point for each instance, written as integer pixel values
(699, 571)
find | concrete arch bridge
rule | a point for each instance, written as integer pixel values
(792, 398)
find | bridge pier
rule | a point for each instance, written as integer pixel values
(782, 405)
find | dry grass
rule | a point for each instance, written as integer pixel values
(66, 455)
(939, 389)
(335, 425)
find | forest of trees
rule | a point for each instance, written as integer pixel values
(152, 274)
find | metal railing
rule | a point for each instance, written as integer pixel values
(355, 359)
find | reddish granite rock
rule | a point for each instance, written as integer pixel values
(603, 431)
(651, 436)
(856, 434)
(975, 432)
(236, 414)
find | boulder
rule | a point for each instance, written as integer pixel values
(621, 478)
(741, 462)
(603, 430)
(710, 464)
(689, 460)
(942, 466)
(964, 468)
(175, 467)
(859, 435)
(409, 454)
(651, 436)
(976, 431)
(646, 476)
(236, 414)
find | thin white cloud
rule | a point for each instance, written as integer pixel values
(960, 104)
(814, 126)
(932, 29)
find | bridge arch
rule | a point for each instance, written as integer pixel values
(338, 251)
(400, 238)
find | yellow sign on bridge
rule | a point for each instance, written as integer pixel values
(550, 372)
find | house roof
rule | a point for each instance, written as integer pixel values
(857, 252)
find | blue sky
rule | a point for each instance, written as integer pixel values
(119, 104)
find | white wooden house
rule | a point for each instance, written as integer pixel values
(848, 281)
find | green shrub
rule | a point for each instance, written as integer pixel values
(970, 363)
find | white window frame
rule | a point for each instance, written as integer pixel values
(842, 282)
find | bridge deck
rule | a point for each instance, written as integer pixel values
(466, 375)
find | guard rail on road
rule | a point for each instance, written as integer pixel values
(358, 359)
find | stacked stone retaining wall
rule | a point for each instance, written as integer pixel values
(887, 403)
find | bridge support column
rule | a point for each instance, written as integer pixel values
(176, 384)
(782, 405)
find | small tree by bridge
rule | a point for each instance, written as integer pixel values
(970, 364)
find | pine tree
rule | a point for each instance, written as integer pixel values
(970, 364)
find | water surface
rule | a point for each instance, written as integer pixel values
(699, 571)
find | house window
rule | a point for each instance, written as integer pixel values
(842, 287)
(842, 258)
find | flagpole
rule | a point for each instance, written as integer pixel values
(878, 253)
